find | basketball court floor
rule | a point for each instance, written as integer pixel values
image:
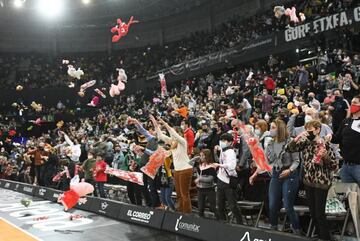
(45, 220)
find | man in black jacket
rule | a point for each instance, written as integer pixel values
(348, 136)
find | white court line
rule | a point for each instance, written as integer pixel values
(22, 230)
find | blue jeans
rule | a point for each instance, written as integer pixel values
(166, 193)
(350, 173)
(285, 189)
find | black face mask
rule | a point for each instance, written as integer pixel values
(311, 136)
(337, 98)
(311, 98)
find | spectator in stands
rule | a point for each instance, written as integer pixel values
(348, 136)
(316, 153)
(188, 135)
(205, 182)
(99, 174)
(313, 102)
(88, 168)
(182, 168)
(167, 183)
(40, 156)
(266, 102)
(226, 165)
(339, 110)
(284, 182)
(132, 161)
(150, 193)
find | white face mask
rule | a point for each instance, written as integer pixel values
(308, 118)
(223, 144)
(258, 132)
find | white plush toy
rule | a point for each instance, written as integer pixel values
(75, 73)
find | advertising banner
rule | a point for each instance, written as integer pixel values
(141, 215)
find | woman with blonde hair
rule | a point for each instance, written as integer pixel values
(182, 168)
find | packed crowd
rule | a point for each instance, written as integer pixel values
(43, 71)
(289, 110)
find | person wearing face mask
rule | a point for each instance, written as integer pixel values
(205, 182)
(266, 102)
(339, 110)
(348, 136)
(118, 161)
(284, 182)
(182, 168)
(227, 169)
(310, 114)
(314, 103)
(188, 135)
(320, 164)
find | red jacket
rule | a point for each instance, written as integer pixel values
(190, 139)
(99, 172)
(269, 83)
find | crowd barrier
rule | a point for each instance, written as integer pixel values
(186, 225)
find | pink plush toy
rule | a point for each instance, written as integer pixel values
(94, 102)
(163, 85)
(70, 198)
(122, 79)
(292, 14)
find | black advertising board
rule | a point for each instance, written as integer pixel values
(50, 194)
(26, 189)
(41, 192)
(2, 183)
(228, 232)
(106, 207)
(88, 205)
(141, 215)
(191, 226)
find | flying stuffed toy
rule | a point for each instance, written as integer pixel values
(37, 122)
(163, 85)
(122, 79)
(85, 86)
(249, 77)
(256, 151)
(70, 198)
(279, 11)
(121, 29)
(94, 102)
(99, 92)
(302, 17)
(134, 177)
(19, 88)
(210, 92)
(36, 107)
(292, 14)
(75, 73)
(155, 162)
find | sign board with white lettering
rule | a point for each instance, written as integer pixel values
(41, 192)
(141, 215)
(26, 189)
(337, 20)
(106, 207)
(245, 233)
(188, 225)
(88, 205)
